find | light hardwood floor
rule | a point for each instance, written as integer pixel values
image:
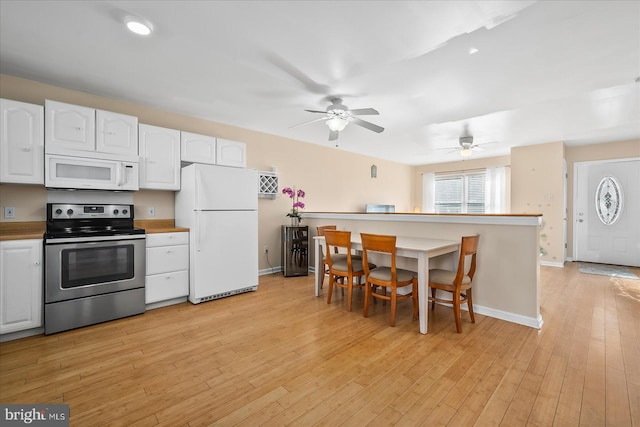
(281, 356)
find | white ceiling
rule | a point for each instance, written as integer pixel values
(545, 71)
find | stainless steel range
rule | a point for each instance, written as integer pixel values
(94, 265)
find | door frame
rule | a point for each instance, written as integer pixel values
(575, 195)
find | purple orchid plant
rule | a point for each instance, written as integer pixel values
(297, 204)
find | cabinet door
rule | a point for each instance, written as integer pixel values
(21, 142)
(20, 285)
(68, 127)
(231, 153)
(159, 158)
(197, 148)
(117, 134)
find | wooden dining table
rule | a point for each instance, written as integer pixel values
(420, 248)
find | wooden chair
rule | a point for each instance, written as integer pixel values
(457, 281)
(325, 266)
(386, 277)
(343, 267)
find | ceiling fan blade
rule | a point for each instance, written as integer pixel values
(364, 112)
(366, 124)
(316, 111)
(307, 122)
(333, 135)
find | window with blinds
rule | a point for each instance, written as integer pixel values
(460, 193)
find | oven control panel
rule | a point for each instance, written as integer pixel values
(82, 211)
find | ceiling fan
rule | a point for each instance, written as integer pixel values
(467, 146)
(337, 116)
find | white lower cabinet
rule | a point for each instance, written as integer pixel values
(167, 274)
(21, 299)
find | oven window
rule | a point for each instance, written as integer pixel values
(87, 266)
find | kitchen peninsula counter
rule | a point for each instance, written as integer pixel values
(506, 285)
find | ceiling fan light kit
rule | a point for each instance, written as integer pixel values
(466, 152)
(338, 116)
(337, 124)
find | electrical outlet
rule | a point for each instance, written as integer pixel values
(151, 211)
(9, 212)
(266, 249)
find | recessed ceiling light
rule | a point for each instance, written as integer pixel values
(473, 50)
(138, 26)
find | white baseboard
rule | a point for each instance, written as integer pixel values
(165, 303)
(552, 264)
(21, 334)
(272, 270)
(531, 322)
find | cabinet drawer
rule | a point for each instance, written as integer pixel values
(166, 239)
(164, 259)
(161, 287)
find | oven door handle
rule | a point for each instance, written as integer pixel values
(94, 239)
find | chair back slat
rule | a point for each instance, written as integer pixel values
(468, 247)
(337, 239)
(321, 230)
(378, 243)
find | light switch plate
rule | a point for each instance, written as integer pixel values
(151, 211)
(9, 212)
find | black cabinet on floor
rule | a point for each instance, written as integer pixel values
(295, 250)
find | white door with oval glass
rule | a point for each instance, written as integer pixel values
(607, 212)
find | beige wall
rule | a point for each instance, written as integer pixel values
(537, 186)
(589, 153)
(334, 180)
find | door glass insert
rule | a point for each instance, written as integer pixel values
(608, 200)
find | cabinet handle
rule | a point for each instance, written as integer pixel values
(168, 277)
(26, 149)
(168, 251)
(78, 128)
(36, 263)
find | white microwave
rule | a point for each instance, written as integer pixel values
(90, 174)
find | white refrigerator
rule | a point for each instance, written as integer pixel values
(219, 205)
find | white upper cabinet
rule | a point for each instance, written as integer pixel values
(116, 133)
(69, 127)
(231, 153)
(159, 158)
(196, 148)
(21, 142)
(74, 130)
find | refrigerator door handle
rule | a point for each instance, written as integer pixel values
(198, 234)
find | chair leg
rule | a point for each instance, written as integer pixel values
(394, 300)
(324, 271)
(349, 292)
(470, 305)
(433, 296)
(456, 311)
(367, 298)
(331, 279)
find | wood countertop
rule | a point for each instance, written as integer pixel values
(22, 230)
(25, 230)
(152, 226)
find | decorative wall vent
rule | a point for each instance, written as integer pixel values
(608, 200)
(268, 185)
